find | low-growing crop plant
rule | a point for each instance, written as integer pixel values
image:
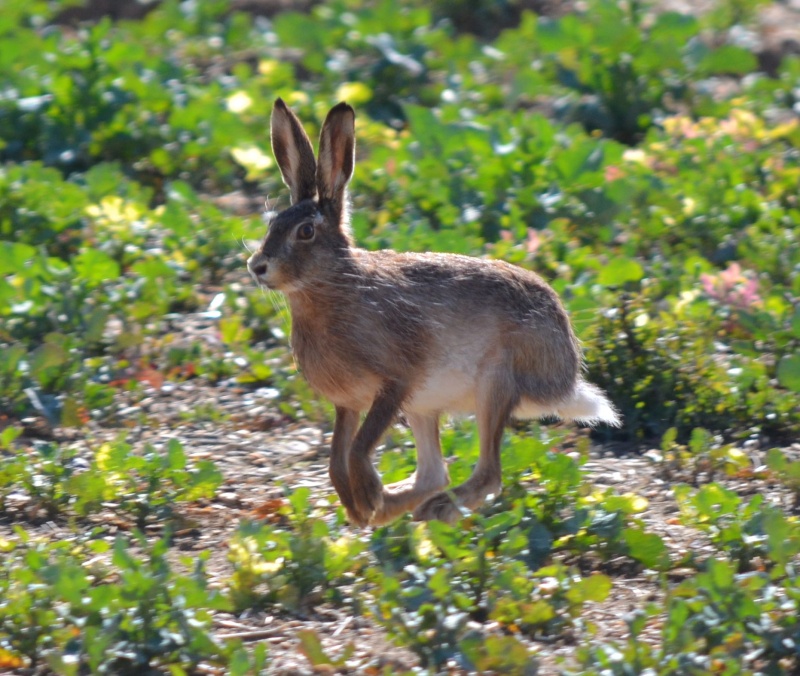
(297, 563)
(147, 484)
(749, 532)
(787, 471)
(125, 615)
(662, 371)
(457, 576)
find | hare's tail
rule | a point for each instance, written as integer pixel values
(588, 404)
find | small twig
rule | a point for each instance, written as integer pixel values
(343, 626)
(252, 635)
(230, 624)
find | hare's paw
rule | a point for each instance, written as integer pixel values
(398, 499)
(440, 507)
(367, 493)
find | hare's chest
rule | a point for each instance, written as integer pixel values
(331, 373)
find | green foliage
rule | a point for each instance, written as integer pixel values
(128, 614)
(476, 573)
(596, 147)
(147, 485)
(747, 532)
(787, 471)
(717, 621)
(296, 565)
(503, 564)
(663, 370)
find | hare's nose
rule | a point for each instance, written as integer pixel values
(257, 264)
(259, 269)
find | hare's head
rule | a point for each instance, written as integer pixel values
(304, 241)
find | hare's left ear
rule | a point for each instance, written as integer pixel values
(337, 145)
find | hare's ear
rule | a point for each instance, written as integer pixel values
(337, 144)
(293, 152)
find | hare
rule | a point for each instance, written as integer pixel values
(421, 334)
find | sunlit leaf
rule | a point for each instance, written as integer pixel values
(619, 271)
(95, 266)
(789, 372)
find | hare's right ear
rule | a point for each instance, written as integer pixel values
(293, 152)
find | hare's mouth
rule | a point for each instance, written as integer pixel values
(273, 283)
(265, 283)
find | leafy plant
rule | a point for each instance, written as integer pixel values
(125, 615)
(787, 471)
(484, 572)
(148, 484)
(746, 531)
(295, 567)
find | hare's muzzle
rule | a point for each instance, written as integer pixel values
(257, 265)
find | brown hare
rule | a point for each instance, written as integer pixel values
(383, 332)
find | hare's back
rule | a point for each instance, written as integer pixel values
(462, 288)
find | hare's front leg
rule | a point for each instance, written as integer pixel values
(494, 408)
(365, 483)
(431, 474)
(344, 429)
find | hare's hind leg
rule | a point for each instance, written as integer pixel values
(344, 429)
(494, 408)
(431, 474)
(365, 483)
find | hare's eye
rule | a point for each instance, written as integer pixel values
(305, 231)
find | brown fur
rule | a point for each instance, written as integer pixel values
(384, 332)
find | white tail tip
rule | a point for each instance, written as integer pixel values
(588, 405)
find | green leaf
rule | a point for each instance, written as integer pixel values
(714, 500)
(538, 613)
(69, 582)
(782, 536)
(796, 323)
(789, 372)
(583, 157)
(205, 481)
(728, 60)
(438, 139)
(700, 440)
(70, 413)
(15, 257)
(540, 544)
(619, 271)
(593, 588)
(300, 501)
(311, 647)
(647, 548)
(789, 471)
(8, 435)
(720, 573)
(48, 355)
(95, 266)
(176, 457)
(440, 582)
